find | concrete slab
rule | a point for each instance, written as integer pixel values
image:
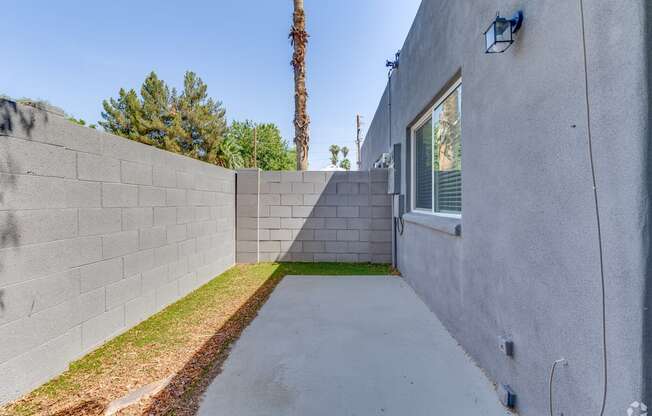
(348, 346)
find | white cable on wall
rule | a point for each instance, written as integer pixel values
(599, 230)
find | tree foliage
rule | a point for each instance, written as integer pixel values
(272, 152)
(186, 122)
(335, 151)
(31, 102)
(345, 163)
(80, 122)
(47, 106)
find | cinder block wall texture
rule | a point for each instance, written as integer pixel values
(313, 216)
(96, 234)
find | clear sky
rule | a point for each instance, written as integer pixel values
(77, 53)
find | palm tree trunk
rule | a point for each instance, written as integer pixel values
(299, 38)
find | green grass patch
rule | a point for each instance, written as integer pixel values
(168, 332)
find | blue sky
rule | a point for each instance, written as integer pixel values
(77, 53)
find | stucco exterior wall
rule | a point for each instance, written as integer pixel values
(526, 264)
(97, 233)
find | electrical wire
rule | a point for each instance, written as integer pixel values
(389, 147)
(597, 213)
(598, 225)
(552, 376)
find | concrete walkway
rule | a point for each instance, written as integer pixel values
(348, 346)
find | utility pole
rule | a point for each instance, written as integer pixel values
(357, 140)
(255, 145)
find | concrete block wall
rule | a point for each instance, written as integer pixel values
(313, 216)
(247, 189)
(97, 233)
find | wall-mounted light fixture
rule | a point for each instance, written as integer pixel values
(499, 37)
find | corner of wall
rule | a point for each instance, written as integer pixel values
(247, 215)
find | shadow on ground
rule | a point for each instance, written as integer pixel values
(181, 396)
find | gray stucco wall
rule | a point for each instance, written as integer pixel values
(97, 233)
(527, 263)
(313, 216)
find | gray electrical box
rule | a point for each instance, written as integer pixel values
(399, 206)
(394, 182)
(506, 346)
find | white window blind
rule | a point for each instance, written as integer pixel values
(423, 176)
(437, 144)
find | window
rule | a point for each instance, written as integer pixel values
(437, 156)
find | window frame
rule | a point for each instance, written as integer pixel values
(413, 129)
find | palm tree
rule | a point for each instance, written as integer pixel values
(226, 153)
(346, 163)
(335, 150)
(299, 39)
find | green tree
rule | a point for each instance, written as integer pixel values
(122, 116)
(189, 122)
(80, 122)
(271, 152)
(335, 150)
(157, 123)
(228, 154)
(199, 122)
(345, 163)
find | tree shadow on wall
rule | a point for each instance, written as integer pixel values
(14, 116)
(19, 121)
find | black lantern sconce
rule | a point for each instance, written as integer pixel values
(500, 35)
